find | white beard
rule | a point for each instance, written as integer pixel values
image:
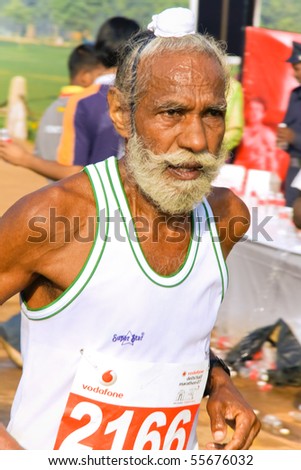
(171, 195)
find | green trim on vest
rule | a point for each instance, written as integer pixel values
(54, 302)
(216, 254)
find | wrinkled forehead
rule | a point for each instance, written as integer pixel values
(178, 69)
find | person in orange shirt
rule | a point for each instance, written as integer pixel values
(83, 66)
(88, 134)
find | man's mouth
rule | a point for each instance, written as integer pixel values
(185, 172)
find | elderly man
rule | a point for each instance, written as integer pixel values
(122, 271)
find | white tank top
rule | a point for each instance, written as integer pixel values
(122, 345)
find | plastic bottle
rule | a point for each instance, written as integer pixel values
(271, 204)
(4, 135)
(264, 386)
(262, 207)
(280, 199)
(279, 203)
(244, 372)
(268, 355)
(223, 342)
(253, 199)
(280, 143)
(296, 415)
(273, 424)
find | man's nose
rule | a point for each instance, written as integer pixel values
(193, 135)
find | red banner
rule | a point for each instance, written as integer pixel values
(267, 80)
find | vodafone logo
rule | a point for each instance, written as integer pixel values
(108, 378)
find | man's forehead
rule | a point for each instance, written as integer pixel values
(176, 75)
(184, 68)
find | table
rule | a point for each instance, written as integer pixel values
(264, 282)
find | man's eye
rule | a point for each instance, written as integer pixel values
(173, 112)
(216, 112)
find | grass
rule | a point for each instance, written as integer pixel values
(43, 66)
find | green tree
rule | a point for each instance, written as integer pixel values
(280, 15)
(138, 10)
(83, 15)
(18, 12)
(26, 13)
(74, 15)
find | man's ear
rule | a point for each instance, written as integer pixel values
(119, 112)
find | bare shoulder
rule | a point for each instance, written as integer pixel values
(72, 195)
(232, 217)
(34, 215)
(68, 196)
(33, 232)
(225, 203)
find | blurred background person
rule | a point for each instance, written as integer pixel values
(83, 67)
(289, 134)
(235, 110)
(258, 148)
(259, 140)
(17, 108)
(88, 134)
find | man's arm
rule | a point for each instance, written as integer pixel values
(20, 257)
(297, 212)
(232, 217)
(17, 155)
(33, 235)
(227, 407)
(7, 442)
(291, 134)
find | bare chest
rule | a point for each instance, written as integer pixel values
(166, 256)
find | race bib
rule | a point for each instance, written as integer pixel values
(117, 405)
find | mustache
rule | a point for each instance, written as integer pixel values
(185, 159)
(181, 157)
